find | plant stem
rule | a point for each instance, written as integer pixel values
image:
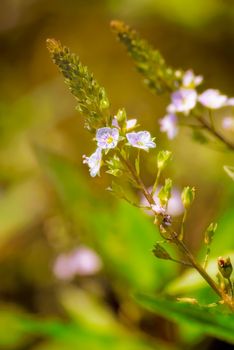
(206, 258)
(197, 266)
(181, 235)
(215, 133)
(211, 120)
(156, 183)
(231, 286)
(180, 244)
(137, 179)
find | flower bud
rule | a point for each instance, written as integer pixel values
(104, 102)
(160, 252)
(165, 192)
(188, 196)
(225, 266)
(209, 234)
(163, 159)
(121, 116)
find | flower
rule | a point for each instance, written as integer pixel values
(130, 124)
(212, 99)
(115, 122)
(107, 138)
(81, 261)
(184, 100)
(230, 101)
(168, 124)
(94, 162)
(158, 209)
(174, 206)
(141, 139)
(228, 123)
(190, 80)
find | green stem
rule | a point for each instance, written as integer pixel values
(181, 234)
(215, 133)
(197, 266)
(211, 120)
(206, 258)
(180, 244)
(230, 286)
(156, 182)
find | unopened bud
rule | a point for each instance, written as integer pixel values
(188, 196)
(165, 192)
(121, 115)
(225, 266)
(209, 234)
(163, 159)
(160, 252)
(104, 102)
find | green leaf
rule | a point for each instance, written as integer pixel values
(69, 184)
(17, 328)
(126, 243)
(209, 320)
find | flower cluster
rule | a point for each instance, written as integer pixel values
(107, 138)
(186, 98)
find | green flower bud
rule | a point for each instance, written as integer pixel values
(188, 196)
(225, 266)
(160, 252)
(165, 192)
(121, 116)
(163, 159)
(209, 234)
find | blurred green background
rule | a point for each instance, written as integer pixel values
(49, 205)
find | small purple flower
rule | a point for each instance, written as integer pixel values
(81, 261)
(131, 123)
(115, 122)
(230, 102)
(228, 123)
(107, 138)
(184, 100)
(212, 99)
(168, 124)
(94, 162)
(141, 139)
(158, 209)
(174, 206)
(190, 80)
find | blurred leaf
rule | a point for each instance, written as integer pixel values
(230, 171)
(125, 242)
(21, 206)
(68, 183)
(198, 14)
(223, 241)
(209, 321)
(88, 310)
(17, 328)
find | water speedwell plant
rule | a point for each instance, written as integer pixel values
(119, 143)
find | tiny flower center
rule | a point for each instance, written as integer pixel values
(140, 143)
(109, 140)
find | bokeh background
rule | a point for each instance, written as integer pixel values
(50, 207)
